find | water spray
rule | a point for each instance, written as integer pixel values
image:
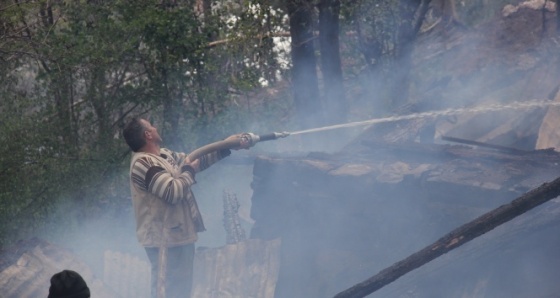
(252, 139)
(433, 114)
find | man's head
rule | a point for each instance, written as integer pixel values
(139, 132)
(68, 284)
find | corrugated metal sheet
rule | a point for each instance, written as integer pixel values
(248, 269)
(127, 275)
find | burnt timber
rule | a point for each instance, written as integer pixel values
(344, 217)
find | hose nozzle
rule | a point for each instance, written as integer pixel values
(253, 138)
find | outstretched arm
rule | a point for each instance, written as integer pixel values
(149, 176)
(220, 150)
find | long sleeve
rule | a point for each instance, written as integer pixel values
(148, 175)
(211, 158)
(205, 160)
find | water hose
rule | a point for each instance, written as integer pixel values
(231, 143)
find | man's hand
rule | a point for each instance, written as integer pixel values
(195, 164)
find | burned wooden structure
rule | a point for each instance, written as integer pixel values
(344, 217)
(456, 238)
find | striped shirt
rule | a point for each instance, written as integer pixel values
(148, 175)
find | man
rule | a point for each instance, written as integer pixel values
(167, 215)
(68, 284)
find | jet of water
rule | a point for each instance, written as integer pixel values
(432, 114)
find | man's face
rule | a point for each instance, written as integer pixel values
(151, 133)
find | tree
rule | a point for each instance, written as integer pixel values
(73, 71)
(309, 109)
(386, 31)
(336, 105)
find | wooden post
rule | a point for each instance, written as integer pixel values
(162, 271)
(456, 238)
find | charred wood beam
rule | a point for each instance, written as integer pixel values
(487, 145)
(542, 156)
(456, 238)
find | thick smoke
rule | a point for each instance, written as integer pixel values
(452, 68)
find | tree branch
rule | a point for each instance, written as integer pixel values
(260, 36)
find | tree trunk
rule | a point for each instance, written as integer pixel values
(61, 84)
(304, 66)
(172, 110)
(404, 46)
(387, 46)
(557, 18)
(96, 95)
(336, 107)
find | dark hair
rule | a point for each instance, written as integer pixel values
(68, 283)
(133, 134)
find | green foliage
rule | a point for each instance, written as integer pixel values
(72, 73)
(380, 48)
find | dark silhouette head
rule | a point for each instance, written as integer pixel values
(68, 284)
